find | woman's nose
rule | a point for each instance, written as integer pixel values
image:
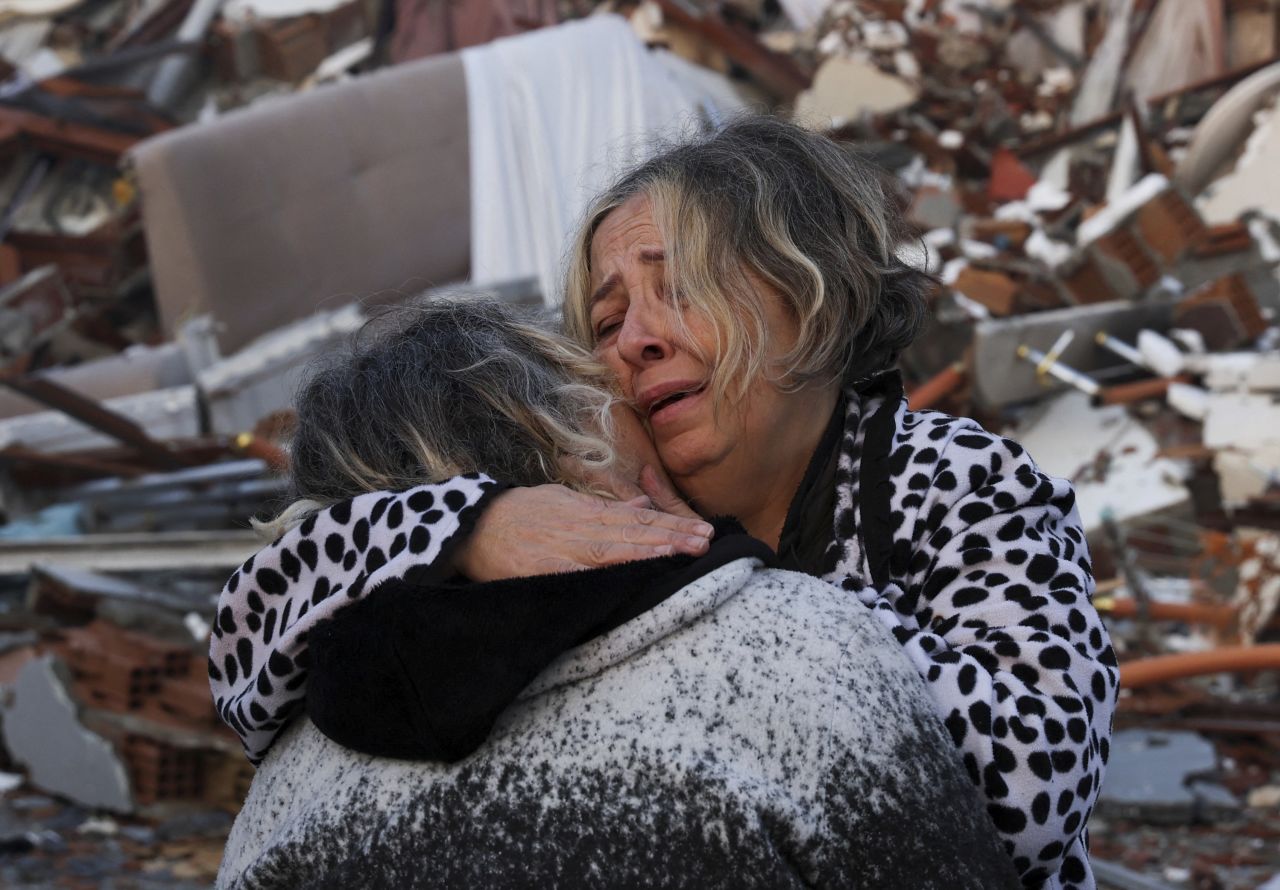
(642, 341)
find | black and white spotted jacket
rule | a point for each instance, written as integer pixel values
(973, 558)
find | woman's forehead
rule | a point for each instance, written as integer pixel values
(629, 231)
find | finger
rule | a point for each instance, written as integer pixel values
(598, 511)
(671, 522)
(606, 553)
(663, 495)
(641, 502)
(646, 535)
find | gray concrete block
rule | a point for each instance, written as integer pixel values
(42, 732)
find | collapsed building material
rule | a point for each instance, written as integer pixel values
(1164, 668)
(42, 731)
(1224, 312)
(174, 76)
(1001, 378)
(262, 378)
(98, 417)
(76, 597)
(222, 200)
(132, 552)
(776, 72)
(1253, 184)
(136, 370)
(32, 310)
(846, 88)
(200, 497)
(1226, 125)
(1155, 775)
(161, 415)
(1108, 455)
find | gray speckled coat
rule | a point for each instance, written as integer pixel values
(759, 728)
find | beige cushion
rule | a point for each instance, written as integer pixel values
(310, 201)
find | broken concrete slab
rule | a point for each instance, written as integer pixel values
(1248, 475)
(1108, 455)
(1246, 421)
(934, 208)
(1258, 372)
(845, 88)
(1254, 184)
(1000, 378)
(42, 732)
(1150, 777)
(1226, 125)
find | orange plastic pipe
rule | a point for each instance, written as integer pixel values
(937, 387)
(1163, 668)
(1128, 393)
(1214, 615)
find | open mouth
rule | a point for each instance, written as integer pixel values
(673, 399)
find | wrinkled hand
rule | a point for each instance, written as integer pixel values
(550, 528)
(657, 487)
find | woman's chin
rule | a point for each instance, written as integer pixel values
(687, 457)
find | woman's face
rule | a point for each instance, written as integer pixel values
(635, 325)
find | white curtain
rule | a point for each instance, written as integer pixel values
(554, 115)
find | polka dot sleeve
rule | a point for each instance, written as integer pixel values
(258, 652)
(990, 596)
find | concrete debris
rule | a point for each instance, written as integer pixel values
(216, 551)
(1268, 796)
(846, 88)
(1150, 776)
(1091, 181)
(1109, 456)
(1243, 420)
(42, 732)
(1110, 874)
(169, 413)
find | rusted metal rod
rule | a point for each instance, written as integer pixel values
(92, 414)
(1164, 668)
(18, 454)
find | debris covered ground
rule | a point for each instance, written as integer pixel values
(198, 198)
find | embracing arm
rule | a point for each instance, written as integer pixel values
(259, 655)
(993, 605)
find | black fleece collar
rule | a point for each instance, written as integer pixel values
(423, 669)
(810, 524)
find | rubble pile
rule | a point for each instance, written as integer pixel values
(1092, 182)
